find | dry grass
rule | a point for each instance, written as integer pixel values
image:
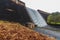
(15, 31)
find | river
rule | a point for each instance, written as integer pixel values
(48, 32)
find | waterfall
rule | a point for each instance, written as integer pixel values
(36, 18)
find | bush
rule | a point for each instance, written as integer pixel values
(54, 18)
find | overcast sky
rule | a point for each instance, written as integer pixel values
(45, 5)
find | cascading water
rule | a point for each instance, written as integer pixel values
(36, 18)
(40, 22)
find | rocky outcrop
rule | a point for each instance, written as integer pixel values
(15, 31)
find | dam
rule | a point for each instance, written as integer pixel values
(16, 11)
(36, 17)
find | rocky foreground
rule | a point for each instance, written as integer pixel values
(15, 31)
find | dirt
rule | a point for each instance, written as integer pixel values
(15, 31)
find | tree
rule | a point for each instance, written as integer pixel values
(54, 18)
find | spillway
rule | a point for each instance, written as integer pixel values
(36, 18)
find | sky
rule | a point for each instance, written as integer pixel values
(45, 5)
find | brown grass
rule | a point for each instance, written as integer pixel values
(15, 31)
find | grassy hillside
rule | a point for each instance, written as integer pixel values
(54, 18)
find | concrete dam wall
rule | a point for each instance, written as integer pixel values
(11, 11)
(16, 11)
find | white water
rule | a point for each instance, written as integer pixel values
(36, 18)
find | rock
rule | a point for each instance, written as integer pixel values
(15, 31)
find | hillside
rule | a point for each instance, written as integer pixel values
(15, 31)
(54, 18)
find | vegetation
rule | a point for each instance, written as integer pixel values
(54, 18)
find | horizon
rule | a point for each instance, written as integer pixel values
(44, 5)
